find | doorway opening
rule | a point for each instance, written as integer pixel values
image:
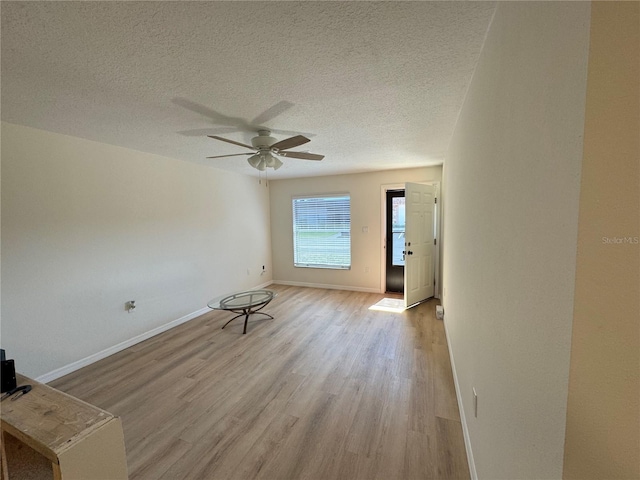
(410, 253)
(395, 234)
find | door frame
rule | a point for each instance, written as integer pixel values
(383, 232)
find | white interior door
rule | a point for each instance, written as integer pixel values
(419, 266)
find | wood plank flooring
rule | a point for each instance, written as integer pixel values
(327, 390)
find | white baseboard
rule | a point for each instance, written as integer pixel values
(463, 418)
(327, 286)
(83, 362)
(262, 285)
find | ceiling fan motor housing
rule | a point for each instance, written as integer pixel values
(264, 140)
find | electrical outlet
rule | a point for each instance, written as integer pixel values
(475, 403)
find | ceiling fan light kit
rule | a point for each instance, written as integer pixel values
(268, 149)
(263, 160)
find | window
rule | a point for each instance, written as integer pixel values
(397, 230)
(322, 231)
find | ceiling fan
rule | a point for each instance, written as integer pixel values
(230, 124)
(267, 149)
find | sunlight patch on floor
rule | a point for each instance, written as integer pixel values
(395, 305)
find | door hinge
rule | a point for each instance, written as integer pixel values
(435, 200)
(434, 241)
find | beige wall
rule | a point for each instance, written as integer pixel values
(512, 177)
(603, 413)
(88, 226)
(366, 248)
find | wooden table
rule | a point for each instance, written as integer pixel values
(49, 434)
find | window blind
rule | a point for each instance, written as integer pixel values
(322, 231)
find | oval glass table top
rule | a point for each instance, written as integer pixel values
(242, 300)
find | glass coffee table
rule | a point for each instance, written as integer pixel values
(243, 303)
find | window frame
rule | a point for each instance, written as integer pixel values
(296, 230)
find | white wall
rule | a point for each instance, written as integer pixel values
(88, 226)
(366, 197)
(511, 209)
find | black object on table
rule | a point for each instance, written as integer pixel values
(7, 373)
(243, 303)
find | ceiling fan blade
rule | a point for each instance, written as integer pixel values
(232, 155)
(290, 142)
(201, 132)
(289, 132)
(230, 141)
(272, 112)
(216, 117)
(302, 155)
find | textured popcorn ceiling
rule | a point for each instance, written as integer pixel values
(374, 85)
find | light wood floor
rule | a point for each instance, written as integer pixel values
(326, 390)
